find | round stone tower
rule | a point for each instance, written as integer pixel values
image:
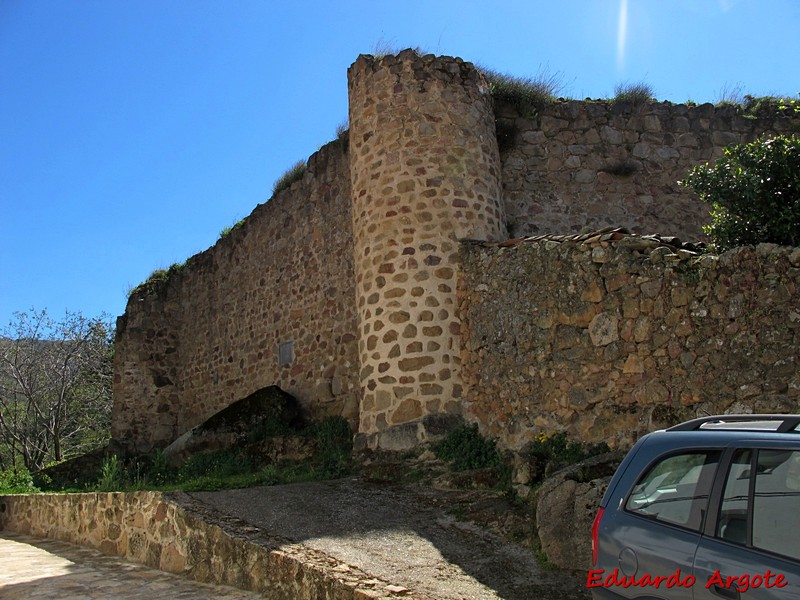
(425, 173)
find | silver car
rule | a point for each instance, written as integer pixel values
(708, 509)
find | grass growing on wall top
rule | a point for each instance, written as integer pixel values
(157, 279)
(383, 48)
(526, 94)
(226, 231)
(765, 106)
(635, 93)
(294, 173)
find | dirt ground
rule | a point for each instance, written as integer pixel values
(435, 543)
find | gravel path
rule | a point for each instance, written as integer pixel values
(396, 535)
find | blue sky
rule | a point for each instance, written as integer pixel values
(132, 132)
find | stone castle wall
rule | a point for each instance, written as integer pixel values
(609, 338)
(357, 267)
(425, 173)
(581, 166)
(210, 335)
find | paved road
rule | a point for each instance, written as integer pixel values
(33, 568)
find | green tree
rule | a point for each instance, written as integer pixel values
(55, 387)
(754, 193)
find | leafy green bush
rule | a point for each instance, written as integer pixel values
(294, 173)
(17, 481)
(334, 446)
(754, 193)
(558, 447)
(465, 448)
(548, 453)
(635, 93)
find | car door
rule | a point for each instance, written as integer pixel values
(752, 544)
(651, 536)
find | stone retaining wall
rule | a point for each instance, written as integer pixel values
(609, 337)
(172, 533)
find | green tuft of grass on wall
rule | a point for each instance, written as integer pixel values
(294, 173)
(526, 94)
(634, 93)
(156, 281)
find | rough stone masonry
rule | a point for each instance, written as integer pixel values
(353, 290)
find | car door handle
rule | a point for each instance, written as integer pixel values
(726, 592)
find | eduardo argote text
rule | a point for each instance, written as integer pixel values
(741, 583)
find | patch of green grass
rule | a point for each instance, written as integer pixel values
(112, 475)
(526, 94)
(635, 93)
(294, 173)
(770, 106)
(219, 464)
(548, 453)
(233, 467)
(226, 231)
(343, 134)
(730, 95)
(383, 48)
(558, 446)
(157, 280)
(543, 561)
(334, 447)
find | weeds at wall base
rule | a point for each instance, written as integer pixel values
(225, 469)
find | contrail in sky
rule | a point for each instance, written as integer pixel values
(622, 33)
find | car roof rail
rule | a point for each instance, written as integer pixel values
(787, 423)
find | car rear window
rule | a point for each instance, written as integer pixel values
(675, 489)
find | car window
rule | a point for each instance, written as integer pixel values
(774, 495)
(776, 502)
(732, 522)
(675, 490)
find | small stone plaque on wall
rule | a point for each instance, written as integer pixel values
(285, 353)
